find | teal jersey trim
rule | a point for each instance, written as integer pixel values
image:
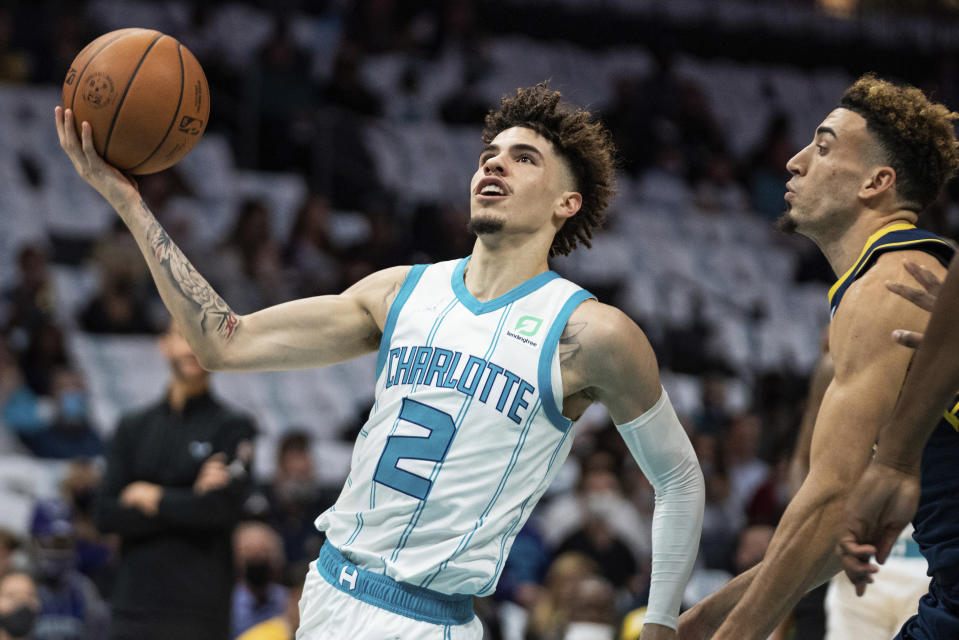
(544, 373)
(477, 308)
(409, 283)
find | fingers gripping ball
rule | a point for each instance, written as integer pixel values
(145, 96)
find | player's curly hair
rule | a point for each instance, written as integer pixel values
(915, 135)
(585, 144)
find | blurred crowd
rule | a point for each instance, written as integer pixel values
(583, 558)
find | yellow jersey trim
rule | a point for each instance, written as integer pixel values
(869, 249)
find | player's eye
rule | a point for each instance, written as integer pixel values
(822, 149)
(525, 157)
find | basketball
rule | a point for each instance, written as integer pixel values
(144, 94)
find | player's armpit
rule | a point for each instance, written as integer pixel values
(314, 332)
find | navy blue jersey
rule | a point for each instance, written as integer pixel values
(937, 519)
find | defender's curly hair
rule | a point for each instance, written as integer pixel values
(915, 134)
(585, 144)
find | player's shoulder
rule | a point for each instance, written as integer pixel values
(869, 296)
(603, 330)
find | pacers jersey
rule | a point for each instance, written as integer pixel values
(936, 523)
(465, 435)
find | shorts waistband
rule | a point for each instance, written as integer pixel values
(382, 591)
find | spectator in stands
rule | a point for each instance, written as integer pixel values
(286, 97)
(9, 543)
(713, 413)
(597, 540)
(751, 546)
(94, 550)
(594, 615)
(70, 606)
(550, 616)
(19, 605)
(525, 568)
(717, 190)
(309, 252)
(249, 269)
(295, 497)
(741, 449)
(284, 625)
(722, 515)
(122, 304)
(45, 354)
(176, 478)
(765, 167)
(346, 88)
(54, 426)
(257, 596)
(14, 62)
(28, 304)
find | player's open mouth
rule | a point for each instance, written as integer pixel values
(491, 188)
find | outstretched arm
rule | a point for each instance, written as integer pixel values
(299, 334)
(619, 369)
(869, 369)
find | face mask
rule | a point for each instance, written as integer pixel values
(19, 622)
(257, 573)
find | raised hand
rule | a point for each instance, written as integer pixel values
(109, 181)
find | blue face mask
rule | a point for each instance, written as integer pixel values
(73, 406)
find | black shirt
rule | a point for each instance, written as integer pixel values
(177, 563)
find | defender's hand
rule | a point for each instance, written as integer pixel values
(924, 298)
(878, 509)
(110, 182)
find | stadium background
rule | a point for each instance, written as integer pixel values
(341, 141)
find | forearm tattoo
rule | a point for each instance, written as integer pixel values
(215, 314)
(568, 342)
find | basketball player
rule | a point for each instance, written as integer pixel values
(483, 365)
(875, 161)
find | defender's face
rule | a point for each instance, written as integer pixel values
(518, 183)
(827, 174)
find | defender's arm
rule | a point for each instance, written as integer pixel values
(869, 369)
(304, 333)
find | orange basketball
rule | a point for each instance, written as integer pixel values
(145, 96)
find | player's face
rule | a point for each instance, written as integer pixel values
(519, 182)
(822, 195)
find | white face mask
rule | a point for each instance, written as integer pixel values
(589, 631)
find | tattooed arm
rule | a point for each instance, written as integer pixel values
(606, 358)
(303, 333)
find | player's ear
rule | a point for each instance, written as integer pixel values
(568, 204)
(879, 182)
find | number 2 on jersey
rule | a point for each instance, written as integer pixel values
(433, 448)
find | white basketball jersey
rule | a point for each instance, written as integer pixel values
(466, 433)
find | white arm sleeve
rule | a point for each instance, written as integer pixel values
(660, 446)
